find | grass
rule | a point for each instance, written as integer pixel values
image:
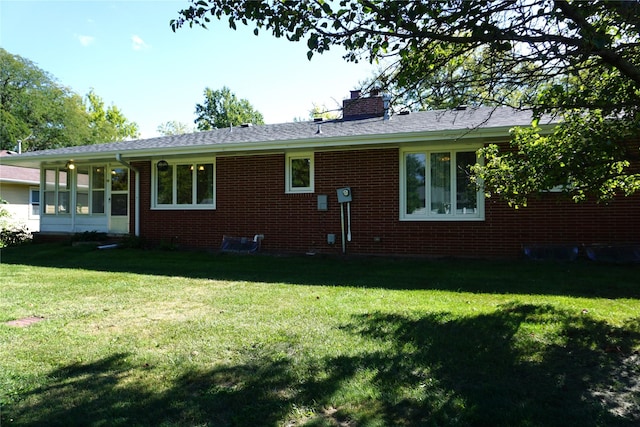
(138, 338)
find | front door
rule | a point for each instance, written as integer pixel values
(119, 200)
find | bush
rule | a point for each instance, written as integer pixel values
(89, 236)
(14, 235)
(11, 233)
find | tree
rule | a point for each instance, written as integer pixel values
(173, 127)
(35, 109)
(577, 60)
(221, 108)
(320, 112)
(108, 125)
(40, 112)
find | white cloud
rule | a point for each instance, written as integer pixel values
(138, 44)
(85, 40)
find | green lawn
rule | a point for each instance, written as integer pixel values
(132, 337)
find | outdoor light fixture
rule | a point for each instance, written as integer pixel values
(162, 166)
(70, 165)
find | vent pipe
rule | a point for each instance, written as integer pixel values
(386, 101)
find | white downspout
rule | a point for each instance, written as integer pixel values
(137, 195)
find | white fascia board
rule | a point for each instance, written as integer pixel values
(19, 181)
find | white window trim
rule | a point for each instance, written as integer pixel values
(56, 191)
(289, 188)
(428, 216)
(172, 163)
(31, 203)
(91, 190)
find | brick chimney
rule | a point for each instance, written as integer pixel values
(359, 107)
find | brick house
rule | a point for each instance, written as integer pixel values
(406, 177)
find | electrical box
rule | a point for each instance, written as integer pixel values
(323, 205)
(344, 195)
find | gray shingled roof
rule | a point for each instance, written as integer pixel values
(305, 133)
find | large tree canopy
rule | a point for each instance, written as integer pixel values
(107, 125)
(222, 108)
(41, 113)
(579, 60)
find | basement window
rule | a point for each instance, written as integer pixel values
(435, 185)
(299, 173)
(183, 184)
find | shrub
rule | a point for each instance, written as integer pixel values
(14, 235)
(11, 233)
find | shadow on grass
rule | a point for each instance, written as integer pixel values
(492, 369)
(580, 278)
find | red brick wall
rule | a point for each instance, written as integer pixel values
(251, 200)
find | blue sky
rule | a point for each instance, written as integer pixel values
(126, 52)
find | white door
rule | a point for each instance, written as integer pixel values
(119, 200)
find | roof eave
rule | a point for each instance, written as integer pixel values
(313, 143)
(19, 181)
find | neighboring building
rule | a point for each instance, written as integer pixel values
(20, 188)
(406, 175)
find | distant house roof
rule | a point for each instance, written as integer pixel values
(427, 125)
(17, 175)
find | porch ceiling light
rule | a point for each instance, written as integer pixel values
(70, 165)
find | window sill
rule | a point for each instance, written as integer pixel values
(184, 208)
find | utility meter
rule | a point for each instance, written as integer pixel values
(344, 195)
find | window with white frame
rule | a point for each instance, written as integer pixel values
(57, 184)
(34, 202)
(436, 185)
(89, 191)
(299, 173)
(90, 194)
(184, 184)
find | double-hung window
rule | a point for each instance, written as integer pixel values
(436, 185)
(184, 184)
(34, 203)
(299, 173)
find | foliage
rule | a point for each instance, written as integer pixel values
(36, 109)
(221, 108)
(14, 235)
(577, 60)
(41, 113)
(322, 112)
(11, 232)
(173, 127)
(318, 111)
(108, 125)
(580, 158)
